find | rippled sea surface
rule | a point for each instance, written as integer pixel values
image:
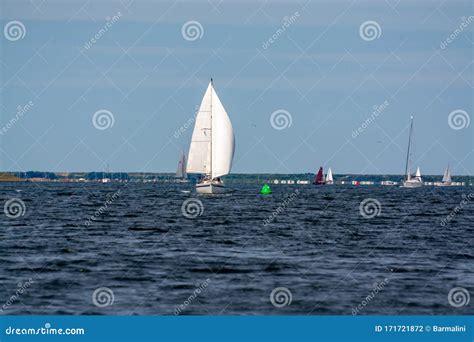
(133, 239)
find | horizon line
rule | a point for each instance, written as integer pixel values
(235, 173)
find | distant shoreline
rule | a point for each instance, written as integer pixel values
(169, 177)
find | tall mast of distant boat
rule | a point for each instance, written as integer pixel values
(417, 180)
(181, 173)
(212, 86)
(407, 171)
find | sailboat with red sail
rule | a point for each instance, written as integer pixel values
(319, 179)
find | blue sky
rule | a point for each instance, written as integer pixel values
(321, 70)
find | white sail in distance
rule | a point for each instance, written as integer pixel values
(181, 170)
(329, 177)
(447, 176)
(212, 144)
(418, 174)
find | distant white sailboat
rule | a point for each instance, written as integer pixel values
(411, 182)
(446, 181)
(181, 173)
(212, 144)
(329, 177)
(446, 176)
(104, 178)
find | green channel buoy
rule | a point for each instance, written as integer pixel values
(266, 190)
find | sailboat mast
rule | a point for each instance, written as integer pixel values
(408, 151)
(212, 86)
(185, 175)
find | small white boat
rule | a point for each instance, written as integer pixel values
(388, 182)
(104, 178)
(212, 144)
(416, 181)
(329, 177)
(413, 182)
(446, 181)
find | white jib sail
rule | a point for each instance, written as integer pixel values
(223, 142)
(418, 173)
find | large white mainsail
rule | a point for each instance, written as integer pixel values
(199, 157)
(212, 144)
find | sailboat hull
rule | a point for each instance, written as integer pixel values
(411, 184)
(210, 188)
(443, 184)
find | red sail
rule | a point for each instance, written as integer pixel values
(319, 179)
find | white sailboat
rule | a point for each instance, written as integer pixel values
(416, 181)
(181, 173)
(446, 176)
(104, 178)
(446, 181)
(329, 177)
(212, 144)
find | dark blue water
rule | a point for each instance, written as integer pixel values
(134, 240)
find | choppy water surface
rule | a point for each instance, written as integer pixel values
(155, 260)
